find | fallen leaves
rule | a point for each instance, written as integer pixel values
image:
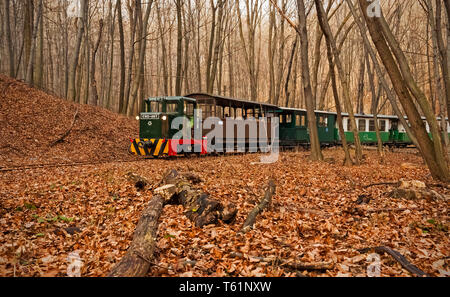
(321, 213)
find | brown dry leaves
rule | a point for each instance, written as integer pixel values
(314, 217)
(30, 120)
(47, 213)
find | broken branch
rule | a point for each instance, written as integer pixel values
(250, 221)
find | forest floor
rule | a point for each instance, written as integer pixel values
(322, 211)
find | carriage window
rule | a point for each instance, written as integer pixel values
(382, 124)
(219, 111)
(323, 121)
(238, 113)
(303, 122)
(226, 112)
(155, 106)
(371, 125)
(289, 118)
(206, 110)
(298, 119)
(232, 112)
(282, 119)
(249, 113)
(188, 108)
(171, 107)
(362, 125)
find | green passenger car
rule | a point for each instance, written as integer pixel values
(294, 127)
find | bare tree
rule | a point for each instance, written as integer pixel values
(406, 87)
(71, 88)
(343, 78)
(316, 153)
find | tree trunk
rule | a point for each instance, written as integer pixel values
(29, 73)
(94, 93)
(179, 77)
(381, 77)
(403, 85)
(122, 56)
(71, 89)
(374, 106)
(316, 153)
(9, 40)
(137, 260)
(344, 82)
(141, 60)
(133, 14)
(444, 69)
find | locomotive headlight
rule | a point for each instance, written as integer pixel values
(164, 118)
(137, 118)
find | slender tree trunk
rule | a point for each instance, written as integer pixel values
(133, 13)
(141, 60)
(29, 73)
(94, 93)
(179, 78)
(444, 68)
(316, 153)
(122, 56)
(71, 89)
(381, 77)
(288, 76)
(39, 64)
(27, 33)
(9, 40)
(360, 97)
(403, 85)
(374, 106)
(344, 82)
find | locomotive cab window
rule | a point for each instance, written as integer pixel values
(171, 107)
(155, 106)
(189, 108)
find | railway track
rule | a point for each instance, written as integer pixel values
(34, 166)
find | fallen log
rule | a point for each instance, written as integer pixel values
(139, 181)
(200, 209)
(176, 190)
(288, 263)
(250, 221)
(398, 257)
(412, 190)
(138, 258)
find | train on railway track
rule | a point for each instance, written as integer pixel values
(158, 136)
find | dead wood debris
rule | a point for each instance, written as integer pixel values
(265, 202)
(398, 257)
(288, 263)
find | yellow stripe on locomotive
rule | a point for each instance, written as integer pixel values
(150, 147)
